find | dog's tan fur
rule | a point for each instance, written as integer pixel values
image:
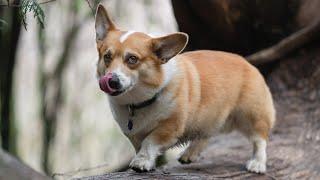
(211, 92)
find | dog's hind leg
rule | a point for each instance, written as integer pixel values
(258, 161)
(259, 127)
(192, 153)
(255, 125)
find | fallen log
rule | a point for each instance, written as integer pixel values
(11, 168)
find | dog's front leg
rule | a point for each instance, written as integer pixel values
(160, 139)
(145, 158)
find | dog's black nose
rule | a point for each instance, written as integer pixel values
(114, 82)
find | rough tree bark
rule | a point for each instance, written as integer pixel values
(246, 27)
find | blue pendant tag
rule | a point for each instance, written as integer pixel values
(130, 124)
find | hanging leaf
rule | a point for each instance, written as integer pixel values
(34, 7)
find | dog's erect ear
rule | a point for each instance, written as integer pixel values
(103, 23)
(168, 46)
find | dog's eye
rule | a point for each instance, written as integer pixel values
(107, 58)
(132, 60)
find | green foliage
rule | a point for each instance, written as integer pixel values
(31, 6)
(78, 5)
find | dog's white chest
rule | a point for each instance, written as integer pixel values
(144, 119)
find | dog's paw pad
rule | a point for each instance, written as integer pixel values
(256, 166)
(140, 164)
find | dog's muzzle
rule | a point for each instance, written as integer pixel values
(110, 83)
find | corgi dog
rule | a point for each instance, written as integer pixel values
(161, 98)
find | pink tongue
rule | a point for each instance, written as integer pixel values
(104, 83)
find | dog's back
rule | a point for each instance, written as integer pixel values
(233, 94)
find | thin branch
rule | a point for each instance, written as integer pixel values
(70, 37)
(19, 5)
(45, 2)
(287, 45)
(90, 7)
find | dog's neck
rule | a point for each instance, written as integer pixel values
(141, 92)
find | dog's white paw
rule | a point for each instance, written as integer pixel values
(187, 158)
(256, 166)
(142, 163)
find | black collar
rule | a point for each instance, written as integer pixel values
(144, 103)
(133, 107)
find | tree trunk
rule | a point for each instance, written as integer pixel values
(53, 82)
(8, 45)
(242, 27)
(50, 106)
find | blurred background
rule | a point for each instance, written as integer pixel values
(54, 117)
(60, 120)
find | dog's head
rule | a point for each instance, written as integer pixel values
(127, 58)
